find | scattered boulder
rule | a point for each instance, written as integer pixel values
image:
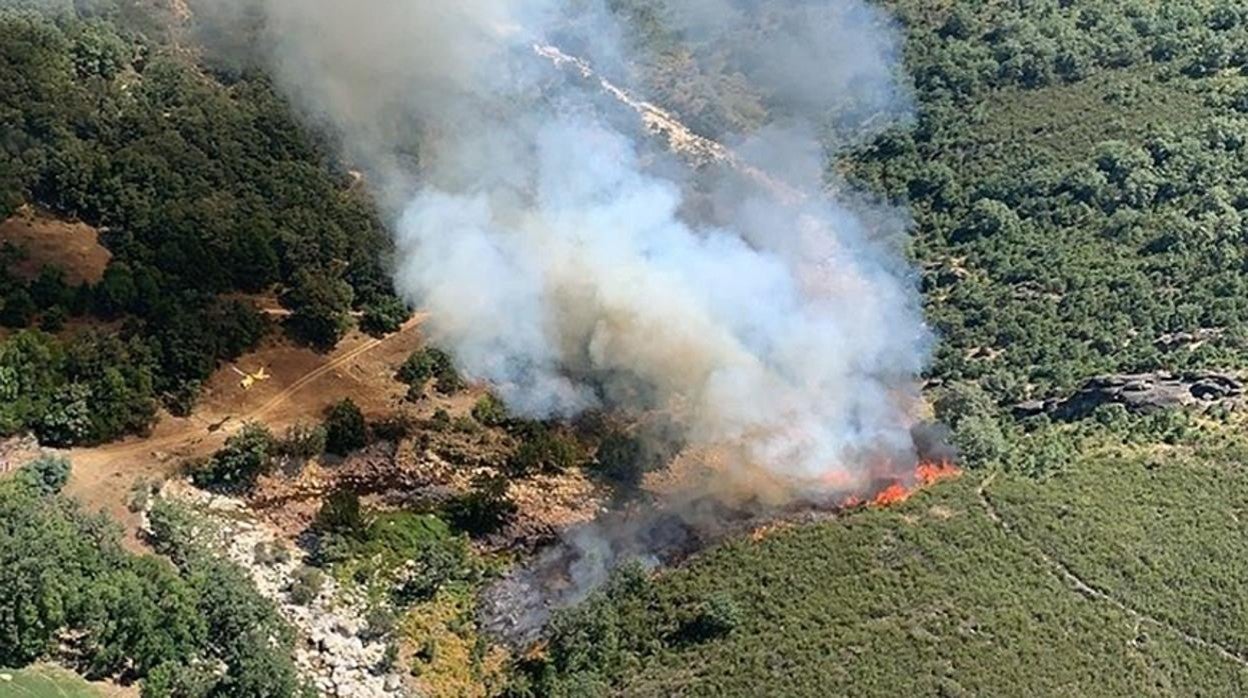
(1141, 393)
(1189, 340)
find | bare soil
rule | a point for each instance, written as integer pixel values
(71, 246)
(303, 385)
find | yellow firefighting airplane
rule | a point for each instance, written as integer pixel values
(250, 379)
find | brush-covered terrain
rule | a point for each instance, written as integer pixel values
(1117, 576)
(1077, 175)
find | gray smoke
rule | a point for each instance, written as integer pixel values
(560, 257)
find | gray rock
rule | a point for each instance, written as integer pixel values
(1142, 393)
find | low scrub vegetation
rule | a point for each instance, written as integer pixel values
(935, 597)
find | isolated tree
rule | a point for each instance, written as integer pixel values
(340, 526)
(485, 508)
(427, 363)
(345, 430)
(979, 440)
(244, 457)
(971, 413)
(341, 514)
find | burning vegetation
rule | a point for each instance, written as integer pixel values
(664, 532)
(588, 251)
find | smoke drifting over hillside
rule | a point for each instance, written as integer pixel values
(557, 253)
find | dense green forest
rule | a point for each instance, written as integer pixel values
(1075, 171)
(936, 598)
(202, 184)
(1078, 178)
(192, 628)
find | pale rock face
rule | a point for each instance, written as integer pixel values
(333, 656)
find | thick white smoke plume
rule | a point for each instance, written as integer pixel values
(568, 264)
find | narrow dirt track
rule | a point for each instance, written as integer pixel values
(1063, 571)
(168, 441)
(349, 357)
(102, 476)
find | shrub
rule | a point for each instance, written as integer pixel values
(18, 309)
(53, 319)
(441, 419)
(269, 554)
(141, 495)
(302, 442)
(175, 531)
(545, 450)
(394, 428)
(319, 303)
(245, 456)
(484, 509)
(431, 363)
(380, 622)
(490, 411)
(344, 428)
(434, 563)
(47, 474)
(341, 514)
(715, 617)
(980, 440)
(960, 400)
(306, 585)
(621, 459)
(384, 316)
(389, 658)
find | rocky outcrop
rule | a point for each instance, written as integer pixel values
(1142, 393)
(336, 654)
(1189, 340)
(18, 451)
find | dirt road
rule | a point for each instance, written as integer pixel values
(104, 476)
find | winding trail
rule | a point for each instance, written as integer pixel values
(680, 138)
(1082, 586)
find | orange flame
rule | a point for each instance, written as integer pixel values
(926, 474)
(895, 493)
(931, 473)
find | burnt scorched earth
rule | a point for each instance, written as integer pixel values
(516, 609)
